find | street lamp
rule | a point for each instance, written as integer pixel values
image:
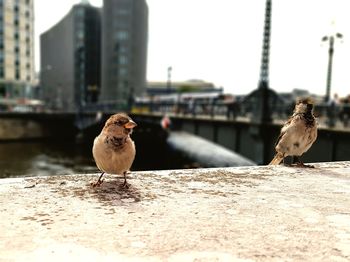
(330, 39)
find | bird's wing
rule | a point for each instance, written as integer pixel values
(289, 131)
(312, 137)
(283, 130)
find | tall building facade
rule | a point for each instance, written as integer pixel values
(17, 72)
(70, 59)
(124, 50)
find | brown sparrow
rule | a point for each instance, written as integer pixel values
(297, 134)
(113, 149)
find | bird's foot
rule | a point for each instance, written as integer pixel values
(125, 185)
(302, 165)
(97, 183)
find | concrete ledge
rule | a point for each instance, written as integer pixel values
(234, 214)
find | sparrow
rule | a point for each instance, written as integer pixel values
(113, 150)
(297, 134)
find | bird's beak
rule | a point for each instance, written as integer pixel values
(130, 125)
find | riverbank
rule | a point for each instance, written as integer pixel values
(264, 213)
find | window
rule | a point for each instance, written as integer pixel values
(121, 23)
(123, 49)
(17, 74)
(123, 60)
(123, 71)
(122, 11)
(122, 35)
(2, 86)
(80, 12)
(82, 67)
(80, 34)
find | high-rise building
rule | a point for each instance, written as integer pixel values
(124, 50)
(17, 72)
(70, 59)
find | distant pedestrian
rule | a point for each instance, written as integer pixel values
(332, 110)
(232, 107)
(192, 106)
(212, 108)
(345, 113)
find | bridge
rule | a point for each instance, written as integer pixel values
(248, 138)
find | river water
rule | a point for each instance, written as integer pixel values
(45, 158)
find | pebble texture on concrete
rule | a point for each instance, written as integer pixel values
(265, 213)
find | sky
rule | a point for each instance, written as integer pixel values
(220, 41)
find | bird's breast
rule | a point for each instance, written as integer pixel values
(113, 161)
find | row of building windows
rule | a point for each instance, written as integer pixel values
(121, 23)
(16, 49)
(11, 3)
(17, 74)
(17, 1)
(16, 10)
(122, 11)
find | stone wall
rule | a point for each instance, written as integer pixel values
(264, 213)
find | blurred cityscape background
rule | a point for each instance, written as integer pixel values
(101, 57)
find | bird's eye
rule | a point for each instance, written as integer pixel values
(118, 123)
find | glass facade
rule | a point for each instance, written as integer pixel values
(124, 50)
(70, 78)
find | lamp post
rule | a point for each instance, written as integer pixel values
(330, 40)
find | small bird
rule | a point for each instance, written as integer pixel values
(113, 149)
(297, 134)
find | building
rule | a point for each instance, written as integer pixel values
(16, 48)
(124, 50)
(70, 59)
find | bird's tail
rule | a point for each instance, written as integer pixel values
(277, 159)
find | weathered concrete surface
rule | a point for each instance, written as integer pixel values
(233, 214)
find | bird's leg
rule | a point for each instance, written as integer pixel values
(284, 161)
(125, 184)
(99, 181)
(301, 164)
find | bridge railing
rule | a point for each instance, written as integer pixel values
(329, 115)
